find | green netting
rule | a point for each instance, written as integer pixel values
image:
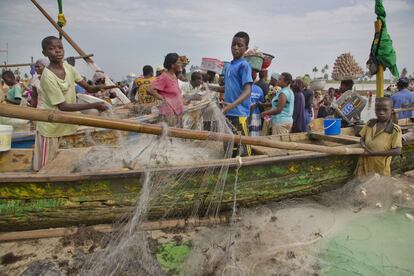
(381, 244)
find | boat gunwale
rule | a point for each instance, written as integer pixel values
(18, 177)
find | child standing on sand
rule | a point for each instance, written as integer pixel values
(381, 139)
(58, 93)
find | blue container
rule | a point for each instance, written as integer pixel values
(332, 126)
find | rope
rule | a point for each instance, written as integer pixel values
(61, 17)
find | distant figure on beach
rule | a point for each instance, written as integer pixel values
(299, 108)
(15, 92)
(142, 84)
(282, 106)
(58, 93)
(166, 89)
(403, 98)
(257, 97)
(381, 139)
(39, 66)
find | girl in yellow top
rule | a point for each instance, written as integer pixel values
(381, 139)
(58, 93)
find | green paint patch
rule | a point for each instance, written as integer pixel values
(171, 257)
(22, 206)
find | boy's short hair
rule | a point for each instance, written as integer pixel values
(243, 35)
(196, 76)
(403, 83)
(7, 74)
(287, 77)
(46, 41)
(348, 83)
(147, 70)
(383, 100)
(170, 59)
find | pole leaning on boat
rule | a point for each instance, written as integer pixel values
(53, 116)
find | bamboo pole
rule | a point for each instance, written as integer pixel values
(380, 72)
(53, 116)
(28, 64)
(75, 46)
(107, 228)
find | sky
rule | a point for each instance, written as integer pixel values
(125, 35)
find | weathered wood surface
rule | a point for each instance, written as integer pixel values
(16, 160)
(32, 202)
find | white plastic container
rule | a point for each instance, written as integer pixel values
(5, 137)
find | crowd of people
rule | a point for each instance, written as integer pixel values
(252, 104)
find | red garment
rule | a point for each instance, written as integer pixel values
(169, 89)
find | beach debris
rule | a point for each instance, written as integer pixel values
(345, 67)
(46, 268)
(393, 208)
(363, 191)
(409, 216)
(378, 205)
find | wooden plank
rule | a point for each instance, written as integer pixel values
(342, 139)
(65, 161)
(16, 160)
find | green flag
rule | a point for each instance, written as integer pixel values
(383, 51)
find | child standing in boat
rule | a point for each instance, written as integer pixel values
(58, 93)
(166, 89)
(381, 139)
(237, 88)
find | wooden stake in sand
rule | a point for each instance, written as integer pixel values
(52, 116)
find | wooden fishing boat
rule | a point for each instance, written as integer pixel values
(60, 197)
(90, 136)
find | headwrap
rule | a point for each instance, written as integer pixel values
(43, 61)
(275, 76)
(98, 76)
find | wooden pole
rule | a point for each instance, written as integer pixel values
(75, 46)
(106, 228)
(380, 72)
(52, 116)
(28, 64)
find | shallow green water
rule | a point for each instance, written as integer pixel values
(381, 244)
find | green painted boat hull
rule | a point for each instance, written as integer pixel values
(33, 202)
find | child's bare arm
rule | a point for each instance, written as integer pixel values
(243, 96)
(16, 101)
(101, 106)
(94, 88)
(216, 88)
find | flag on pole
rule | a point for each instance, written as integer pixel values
(382, 47)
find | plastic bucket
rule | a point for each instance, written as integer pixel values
(332, 126)
(5, 137)
(255, 62)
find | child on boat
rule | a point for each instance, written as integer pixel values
(15, 91)
(166, 89)
(58, 93)
(237, 87)
(381, 139)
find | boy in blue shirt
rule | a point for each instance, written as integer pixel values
(237, 86)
